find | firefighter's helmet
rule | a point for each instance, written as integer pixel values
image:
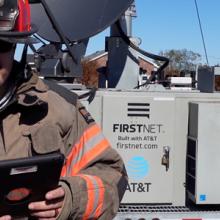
(15, 22)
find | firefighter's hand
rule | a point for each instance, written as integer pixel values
(51, 207)
(6, 217)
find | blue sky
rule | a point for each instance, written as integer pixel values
(173, 24)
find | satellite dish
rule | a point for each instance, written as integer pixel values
(79, 19)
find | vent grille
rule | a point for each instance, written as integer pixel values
(128, 208)
(151, 209)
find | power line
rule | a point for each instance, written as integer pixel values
(200, 25)
(214, 57)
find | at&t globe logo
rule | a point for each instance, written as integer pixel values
(137, 168)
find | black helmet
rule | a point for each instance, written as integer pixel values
(15, 22)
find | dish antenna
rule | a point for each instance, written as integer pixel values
(72, 23)
(77, 19)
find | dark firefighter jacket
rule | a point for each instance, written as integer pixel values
(44, 118)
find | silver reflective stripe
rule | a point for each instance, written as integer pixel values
(86, 148)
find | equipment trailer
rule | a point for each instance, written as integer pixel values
(168, 137)
(171, 153)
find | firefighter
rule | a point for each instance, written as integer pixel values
(40, 118)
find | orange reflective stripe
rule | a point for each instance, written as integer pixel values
(90, 132)
(91, 197)
(98, 211)
(92, 143)
(86, 136)
(89, 156)
(63, 171)
(95, 194)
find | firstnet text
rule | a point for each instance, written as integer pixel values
(140, 128)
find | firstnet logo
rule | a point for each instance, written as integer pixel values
(138, 110)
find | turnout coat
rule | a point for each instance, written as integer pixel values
(42, 118)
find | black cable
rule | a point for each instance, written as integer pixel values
(32, 48)
(145, 53)
(200, 26)
(24, 56)
(91, 95)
